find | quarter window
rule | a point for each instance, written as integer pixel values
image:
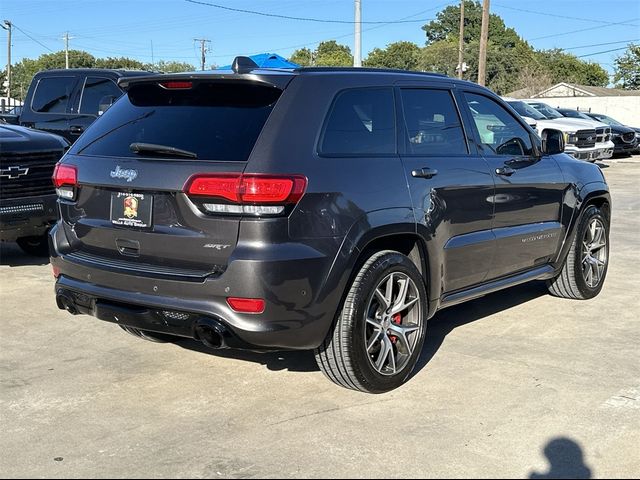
(52, 95)
(361, 122)
(95, 88)
(432, 123)
(499, 132)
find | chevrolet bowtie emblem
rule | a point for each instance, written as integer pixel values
(13, 172)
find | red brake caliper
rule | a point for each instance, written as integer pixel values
(397, 319)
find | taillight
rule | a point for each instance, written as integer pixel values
(246, 305)
(248, 193)
(65, 179)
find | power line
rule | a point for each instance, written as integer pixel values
(303, 19)
(605, 51)
(565, 16)
(37, 41)
(585, 30)
(602, 44)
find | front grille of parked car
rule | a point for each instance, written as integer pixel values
(603, 134)
(586, 138)
(628, 137)
(37, 180)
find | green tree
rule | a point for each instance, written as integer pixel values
(627, 69)
(566, 67)
(402, 55)
(303, 57)
(121, 62)
(328, 54)
(446, 26)
(170, 67)
(439, 57)
(333, 54)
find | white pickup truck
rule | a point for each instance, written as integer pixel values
(585, 139)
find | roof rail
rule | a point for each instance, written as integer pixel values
(367, 69)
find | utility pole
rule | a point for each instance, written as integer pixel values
(8, 29)
(203, 50)
(484, 35)
(66, 50)
(461, 41)
(357, 50)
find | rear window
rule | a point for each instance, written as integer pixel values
(216, 121)
(52, 94)
(361, 122)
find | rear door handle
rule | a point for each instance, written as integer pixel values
(424, 172)
(76, 129)
(505, 171)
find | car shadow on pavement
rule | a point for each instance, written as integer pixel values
(439, 327)
(11, 255)
(566, 460)
(294, 361)
(445, 321)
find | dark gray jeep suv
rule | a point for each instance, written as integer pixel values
(327, 209)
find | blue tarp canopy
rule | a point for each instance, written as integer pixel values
(268, 60)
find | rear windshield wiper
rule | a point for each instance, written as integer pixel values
(138, 147)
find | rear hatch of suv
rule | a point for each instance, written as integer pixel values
(157, 178)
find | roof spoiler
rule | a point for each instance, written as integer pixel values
(243, 65)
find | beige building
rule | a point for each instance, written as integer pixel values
(623, 105)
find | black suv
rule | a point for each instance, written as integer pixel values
(27, 197)
(321, 208)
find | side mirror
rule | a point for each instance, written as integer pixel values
(552, 142)
(105, 103)
(532, 122)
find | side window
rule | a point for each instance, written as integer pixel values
(360, 122)
(498, 131)
(95, 88)
(432, 123)
(52, 94)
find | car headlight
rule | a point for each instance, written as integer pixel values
(570, 137)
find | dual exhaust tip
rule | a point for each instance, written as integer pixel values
(208, 331)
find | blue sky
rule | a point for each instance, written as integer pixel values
(166, 29)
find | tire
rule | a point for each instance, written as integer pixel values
(585, 268)
(36, 246)
(361, 351)
(147, 335)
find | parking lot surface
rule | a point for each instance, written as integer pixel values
(515, 384)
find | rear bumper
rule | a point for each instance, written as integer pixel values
(298, 311)
(26, 217)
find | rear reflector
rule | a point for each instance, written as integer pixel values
(246, 305)
(56, 271)
(65, 175)
(176, 85)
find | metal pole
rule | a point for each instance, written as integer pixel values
(484, 35)
(461, 41)
(8, 28)
(66, 50)
(357, 53)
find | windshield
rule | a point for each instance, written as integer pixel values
(574, 114)
(546, 110)
(608, 120)
(525, 110)
(211, 121)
